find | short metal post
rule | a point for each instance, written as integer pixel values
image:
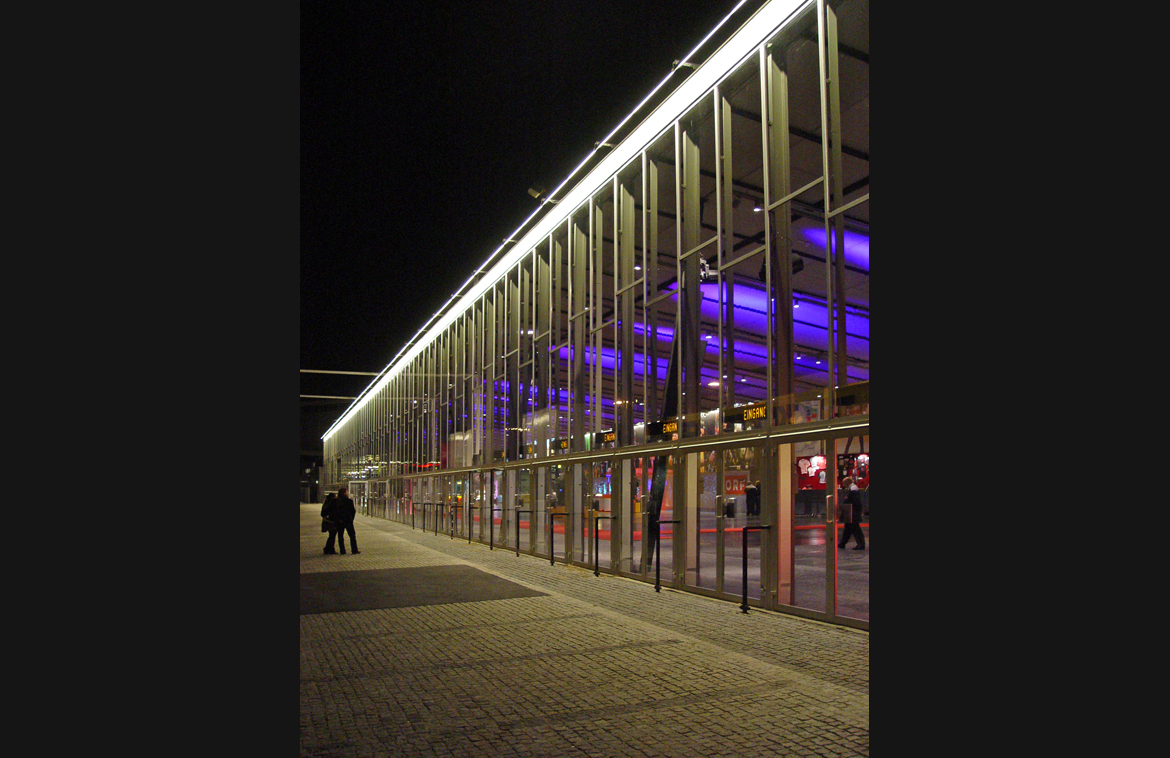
(551, 544)
(451, 530)
(744, 606)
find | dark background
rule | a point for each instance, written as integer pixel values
(176, 160)
(423, 125)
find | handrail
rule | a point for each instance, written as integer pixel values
(492, 528)
(596, 544)
(551, 514)
(451, 532)
(658, 553)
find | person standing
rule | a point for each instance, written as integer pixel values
(751, 494)
(345, 513)
(853, 515)
(329, 522)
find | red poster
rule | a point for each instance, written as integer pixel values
(734, 483)
(812, 472)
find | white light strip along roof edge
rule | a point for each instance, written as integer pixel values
(756, 31)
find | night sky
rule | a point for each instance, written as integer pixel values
(423, 125)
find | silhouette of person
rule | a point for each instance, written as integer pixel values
(853, 515)
(329, 522)
(752, 495)
(345, 512)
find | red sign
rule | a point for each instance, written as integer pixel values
(734, 483)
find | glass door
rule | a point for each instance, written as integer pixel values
(494, 509)
(552, 511)
(812, 529)
(704, 521)
(745, 534)
(598, 509)
(852, 542)
(520, 509)
(358, 493)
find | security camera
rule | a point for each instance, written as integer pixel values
(706, 275)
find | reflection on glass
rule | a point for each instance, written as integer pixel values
(853, 544)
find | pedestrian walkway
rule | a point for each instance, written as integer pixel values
(423, 645)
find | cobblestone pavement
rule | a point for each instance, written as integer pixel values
(595, 666)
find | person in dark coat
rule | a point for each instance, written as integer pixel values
(852, 515)
(329, 521)
(345, 513)
(751, 495)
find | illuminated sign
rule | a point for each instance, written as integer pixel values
(746, 413)
(604, 438)
(660, 428)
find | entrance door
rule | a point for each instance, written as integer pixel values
(461, 505)
(703, 506)
(551, 504)
(497, 513)
(593, 512)
(360, 495)
(747, 536)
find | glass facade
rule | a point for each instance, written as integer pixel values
(667, 376)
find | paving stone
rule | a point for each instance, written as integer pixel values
(581, 666)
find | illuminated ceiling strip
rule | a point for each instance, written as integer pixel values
(353, 373)
(755, 32)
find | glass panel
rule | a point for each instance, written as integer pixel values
(552, 494)
(576, 522)
(559, 508)
(460, 505)
(808, 525)
(853, 398)
(742, 476)
(745, 346)
(853, 527)
(600, 480)
(520, 510)
(702, 547)
(626, 504)
(497, 533)
(657, 506)
(475, 508)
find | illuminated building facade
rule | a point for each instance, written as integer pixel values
(672, 357)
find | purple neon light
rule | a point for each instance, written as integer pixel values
(856, 245)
